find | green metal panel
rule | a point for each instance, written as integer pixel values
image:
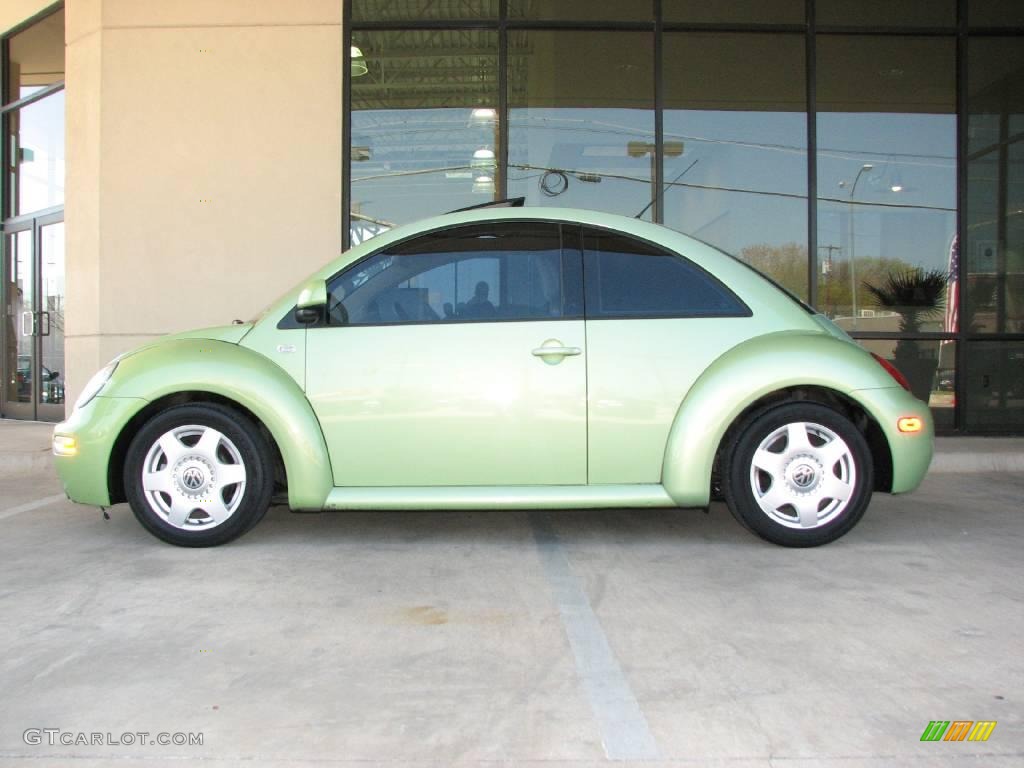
(95, 428)
(501, 497)
(286, 347)
(248, 378)
(639, 372)
(911, 453)
(763, 365)
(450, 404)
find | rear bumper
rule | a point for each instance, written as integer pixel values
(911, 452)
(94, 428)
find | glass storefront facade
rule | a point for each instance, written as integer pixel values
(32, 279)
(868, 156)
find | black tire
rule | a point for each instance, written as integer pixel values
(805, 474)
(240, 442)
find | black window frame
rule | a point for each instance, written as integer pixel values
(742, 310)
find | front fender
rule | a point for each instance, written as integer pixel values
(740, 377)
(251, 380)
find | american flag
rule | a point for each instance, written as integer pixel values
(953, 286)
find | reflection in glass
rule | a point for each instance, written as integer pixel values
(19, 317)
(886, 178)
(36, 57)
(467, 274)
(735, 11)
(424, 126)
(582, 10)
(995, 13)
(994, 256)
(36, 179)
(581, 119)
(995, 385)
(930, 369)
(886, 13)
(740, 179)
(51, 319)
(421, 10)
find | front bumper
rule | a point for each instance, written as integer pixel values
(95, 429)
(911, 452)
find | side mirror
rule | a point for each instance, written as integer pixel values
(312, 301)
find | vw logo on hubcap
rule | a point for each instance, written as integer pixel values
(192, 478)
(803, 476)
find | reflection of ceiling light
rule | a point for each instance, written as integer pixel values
(893, 73)
(896, 187)
(483, 116)
(358, 62)
(483, 158)
(483, 185)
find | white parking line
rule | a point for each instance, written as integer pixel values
(625, 733)
(28, 507)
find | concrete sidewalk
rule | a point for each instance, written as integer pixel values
(25, 446)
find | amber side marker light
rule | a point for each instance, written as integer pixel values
(64, 446)
(909, 424)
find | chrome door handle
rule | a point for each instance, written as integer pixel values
(557, 351)
(28, 323)
(44, 316)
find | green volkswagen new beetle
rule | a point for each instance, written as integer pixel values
(504, 358)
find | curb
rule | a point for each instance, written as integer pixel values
(14, 464)
(956, 462)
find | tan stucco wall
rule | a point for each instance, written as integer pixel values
(203, 163)
(14, 12)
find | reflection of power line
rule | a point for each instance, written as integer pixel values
(403, 128)
(592, 176)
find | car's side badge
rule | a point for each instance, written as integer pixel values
(286, 349)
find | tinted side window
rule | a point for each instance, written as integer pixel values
(479, 273)
(629, 278)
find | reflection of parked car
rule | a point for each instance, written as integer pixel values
(52, 390)
(515, 358)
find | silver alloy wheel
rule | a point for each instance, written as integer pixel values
(803, 475)
(193, 477)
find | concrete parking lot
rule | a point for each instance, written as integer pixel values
(546, 639)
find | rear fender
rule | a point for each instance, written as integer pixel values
(742, 376)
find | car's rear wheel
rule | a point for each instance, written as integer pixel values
(198, 475)
(799, 475)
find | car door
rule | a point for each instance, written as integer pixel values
(456, 358)
(655, 321)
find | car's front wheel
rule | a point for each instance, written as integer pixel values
(799, 475)
(198, 475)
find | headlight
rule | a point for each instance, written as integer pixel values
(95, 384)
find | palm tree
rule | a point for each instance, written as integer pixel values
(916, 294)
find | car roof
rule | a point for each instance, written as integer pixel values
(758, 292)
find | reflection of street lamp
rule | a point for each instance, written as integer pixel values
(641, 148)
(483, 159)
(853, 251)
(483, 116)
(358, 65)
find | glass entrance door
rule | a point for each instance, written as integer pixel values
(33, 321)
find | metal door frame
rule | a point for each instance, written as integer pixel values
(34, 409)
